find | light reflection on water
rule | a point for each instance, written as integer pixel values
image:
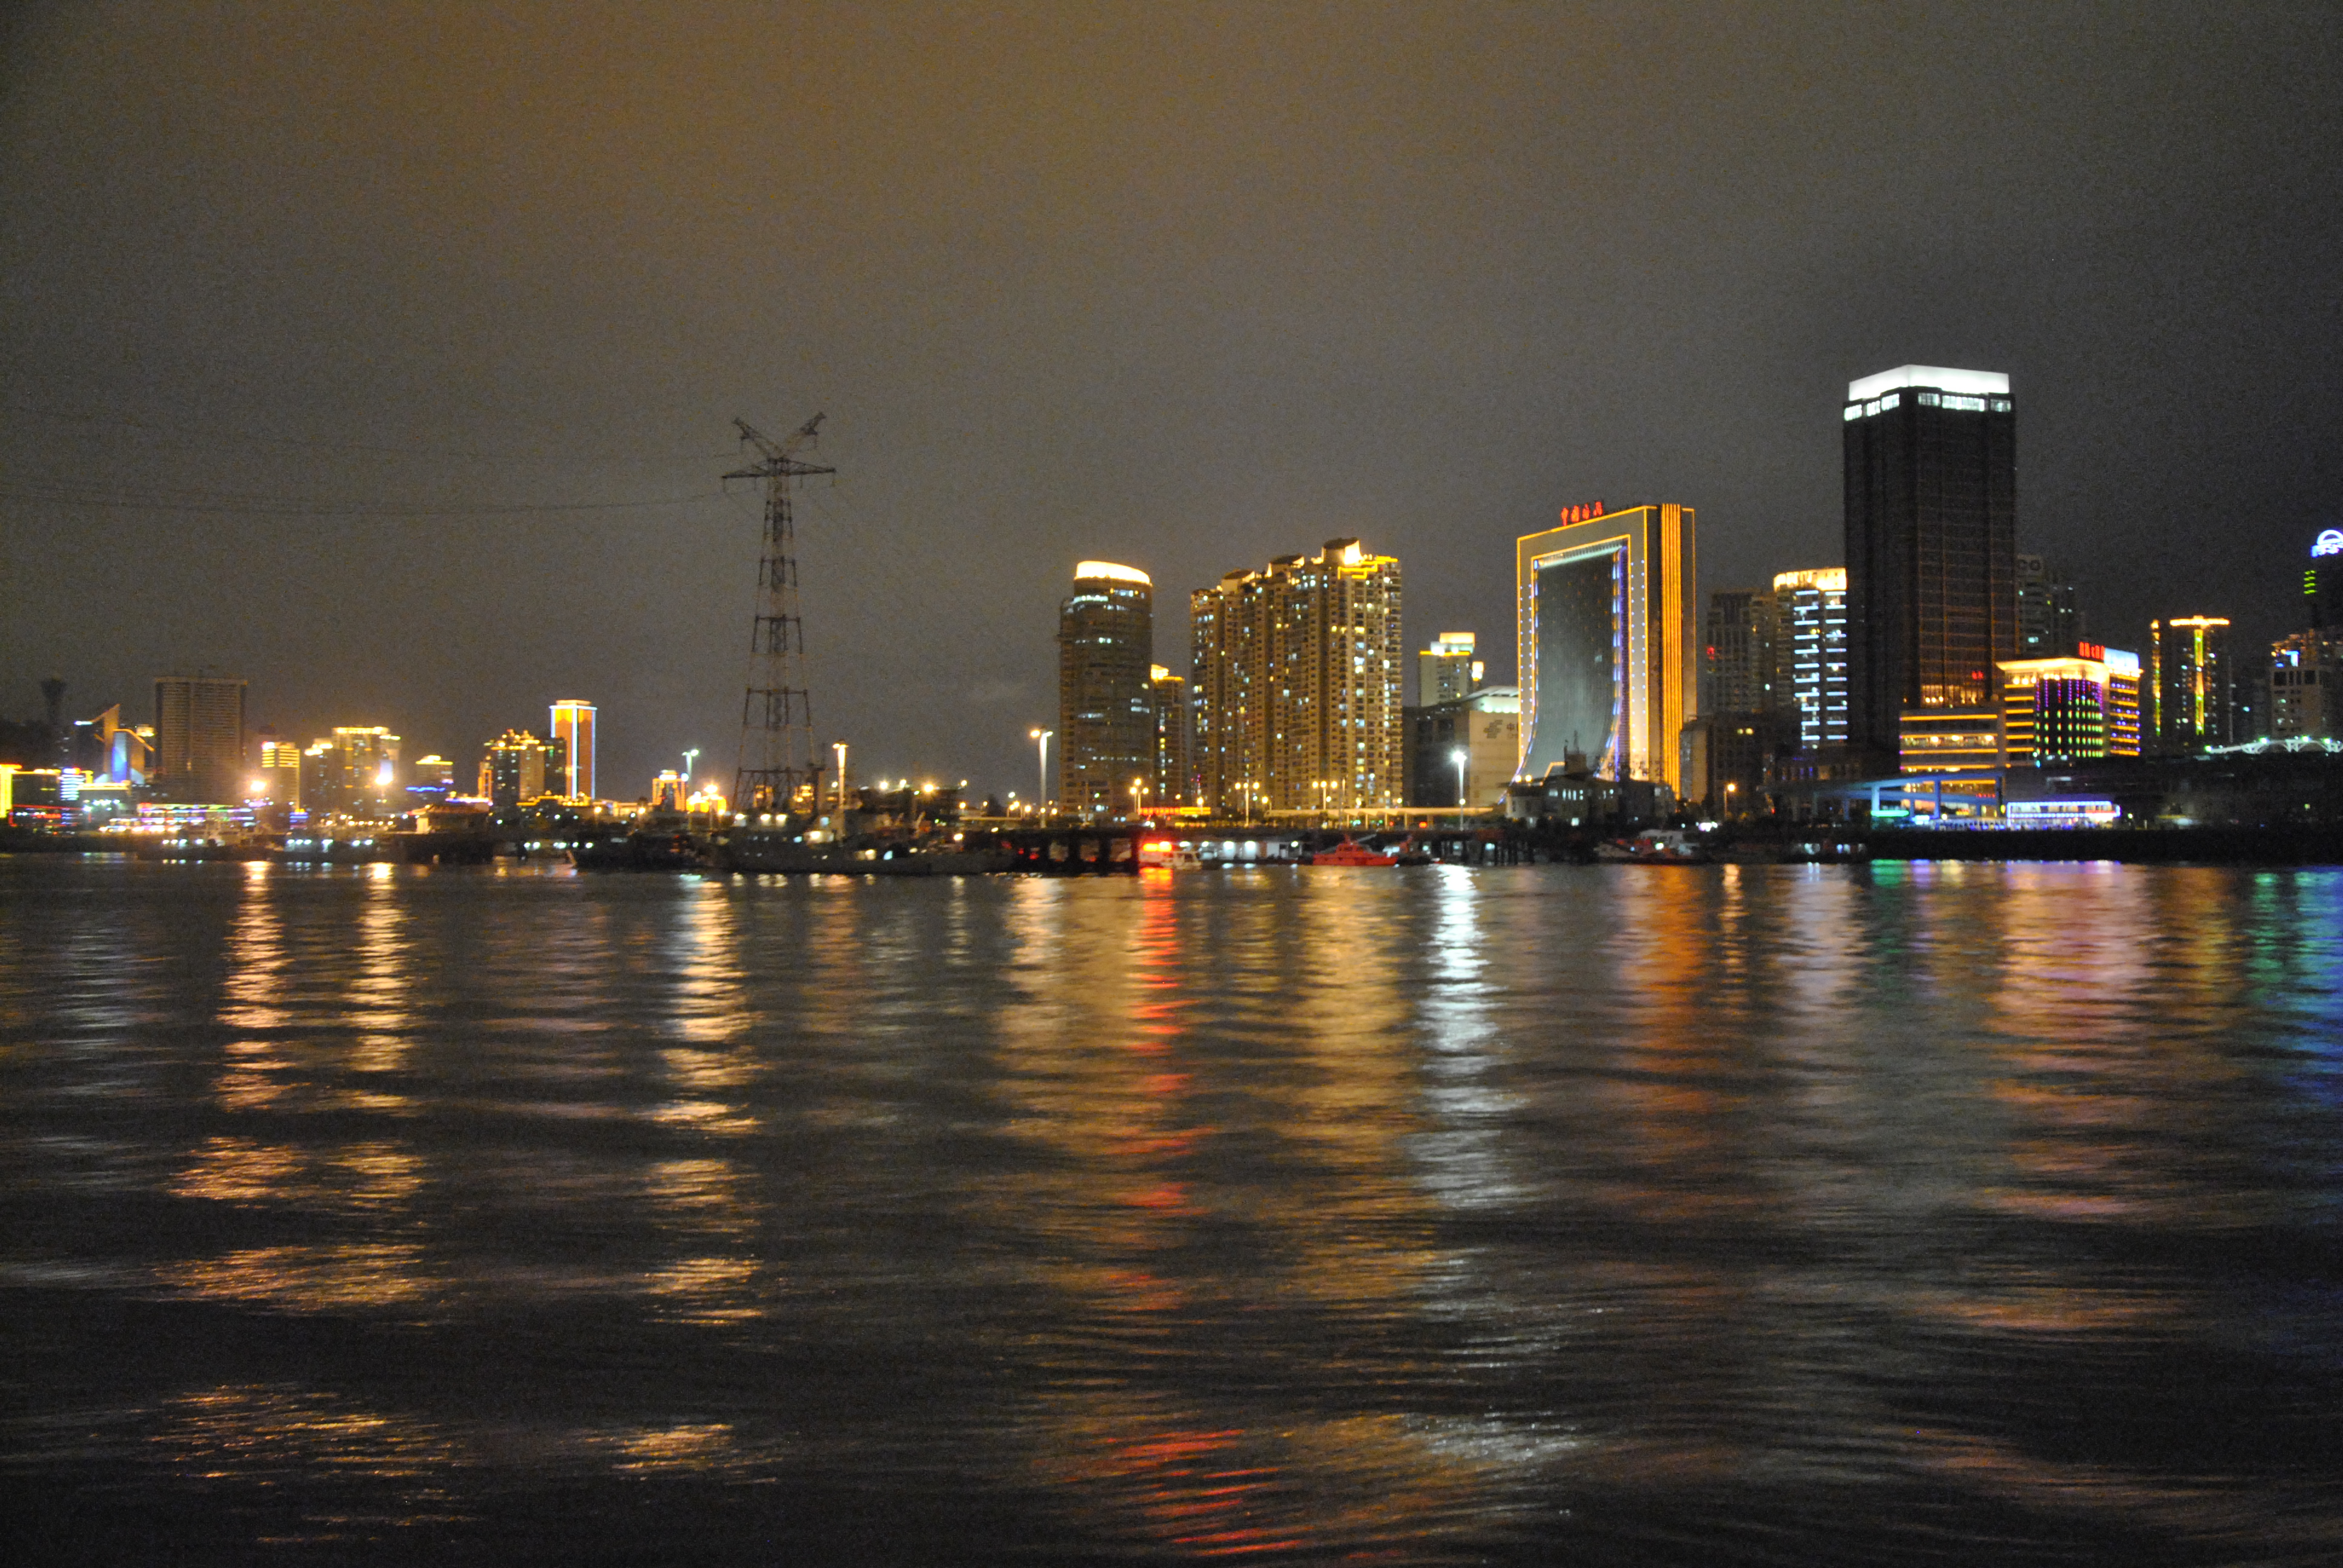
(1917, 1213)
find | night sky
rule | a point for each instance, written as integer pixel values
(315, 322)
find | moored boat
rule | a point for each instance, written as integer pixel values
(754, 851)
(643, 851)
(1351, 852)
(1656, 847)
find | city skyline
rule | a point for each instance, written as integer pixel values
(1805, 672)
(272, 296)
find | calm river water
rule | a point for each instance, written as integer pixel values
(1570, 1214)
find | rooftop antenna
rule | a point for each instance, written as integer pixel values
(776, 754)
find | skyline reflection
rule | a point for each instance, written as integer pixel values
(1417, 1217)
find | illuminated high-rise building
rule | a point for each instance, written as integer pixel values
(1297, 673)
(355, 769)
(1811, 606)
(2306, 687)
(2071, 709)
(1106, 709)
(573, 727)
(1609, 643)
(2322, 583)
(1931, 546)
(1224, 640)
(280, 771)
(516, 768)
(1447, 669)
(369, 758)
(199, 737)
(1175, 751)
(2191, 688)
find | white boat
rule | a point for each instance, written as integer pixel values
(1656, 847)
(1164, 854)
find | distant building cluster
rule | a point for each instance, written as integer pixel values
(1946, 665)
(199, 763)
(1938, 674)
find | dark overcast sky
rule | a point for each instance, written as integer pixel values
(1184, 287)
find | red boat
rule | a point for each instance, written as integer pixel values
(1351, 852)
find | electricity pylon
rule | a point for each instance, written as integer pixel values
(776, 754)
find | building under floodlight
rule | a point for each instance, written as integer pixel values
(1609, 643)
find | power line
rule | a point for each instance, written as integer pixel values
(290, 506)
(186, 434)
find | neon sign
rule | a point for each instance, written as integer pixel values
(2329, 542)
(1593, 509)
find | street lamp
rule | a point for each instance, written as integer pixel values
(839, 746)
(1138, 798)
(1042, 738)
(683, 790)
(1460, 757)
(1729, 789)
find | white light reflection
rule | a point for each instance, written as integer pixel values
(254, 1074)
(709, 1016)
(1462, 1154)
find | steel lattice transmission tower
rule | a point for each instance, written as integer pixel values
(776, 754)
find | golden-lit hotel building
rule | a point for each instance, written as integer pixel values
(573, 727)
(2061, 710)
(1608, 645)
(1962, 752)
(1297, 672)
(280, 771)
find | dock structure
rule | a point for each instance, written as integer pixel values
(1115, 849)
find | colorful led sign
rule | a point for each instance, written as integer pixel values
(2329, 542)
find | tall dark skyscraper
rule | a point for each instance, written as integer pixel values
(1931, 546)
(199, 737)
(2050, 617)
(1741, 658)
(1106, 708)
